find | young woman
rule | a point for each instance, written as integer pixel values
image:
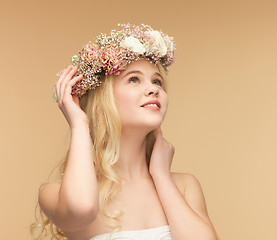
(116, 182)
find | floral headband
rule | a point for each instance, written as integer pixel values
(112, 54)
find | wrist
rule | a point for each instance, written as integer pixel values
(160, 176)
(80, 126)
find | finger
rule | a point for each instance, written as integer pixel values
(58, 83)
(63, 80)
(159, 132)
(66, 79)
(68, 87)
(159, 136)
(65, 72)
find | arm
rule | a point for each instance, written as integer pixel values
(79, 192)
(188, 219)
(195, 198)
(73, 203)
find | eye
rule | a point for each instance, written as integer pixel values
(133, 79)
(158, 81)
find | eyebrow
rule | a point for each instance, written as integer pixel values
(139, 72)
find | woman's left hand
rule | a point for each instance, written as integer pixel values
(162, 155)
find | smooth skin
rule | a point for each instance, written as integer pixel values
(131, 91)
(68, 103)
(150, 197)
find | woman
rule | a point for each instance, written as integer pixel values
(117, 175)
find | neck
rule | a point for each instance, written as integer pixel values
(132, 165)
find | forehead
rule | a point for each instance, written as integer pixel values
(144, 66)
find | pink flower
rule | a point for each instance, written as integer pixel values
(89, 53)
(112, 60)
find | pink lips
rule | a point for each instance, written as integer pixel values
(152, 107)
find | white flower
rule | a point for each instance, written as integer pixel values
(169, 42)
(159, 42)
(134, 44)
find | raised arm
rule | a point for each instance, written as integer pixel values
(73, 204)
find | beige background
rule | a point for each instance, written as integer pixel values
(222, 113)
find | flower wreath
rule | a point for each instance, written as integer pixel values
(112, 54)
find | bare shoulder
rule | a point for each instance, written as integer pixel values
(181, 180)
(179, 175)
(193, 194)
(191, 190)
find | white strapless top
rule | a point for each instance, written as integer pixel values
(158, 233)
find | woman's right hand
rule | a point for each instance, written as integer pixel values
(68, 103)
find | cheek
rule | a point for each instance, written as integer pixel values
(165, 101)
(125, 102)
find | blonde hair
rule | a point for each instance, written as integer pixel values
(105, 131)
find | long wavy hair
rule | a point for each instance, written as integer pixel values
(105, 132)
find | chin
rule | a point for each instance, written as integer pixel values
(143, 127)
(142, 123)
(150, 127)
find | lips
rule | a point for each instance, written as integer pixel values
(152, 102)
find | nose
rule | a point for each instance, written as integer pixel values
(151, 89)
